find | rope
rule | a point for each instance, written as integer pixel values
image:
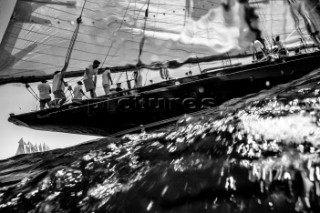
(71, 45)
(119, 78)
(73, 40)
(144, 37)
(108, 52)
(32, 92)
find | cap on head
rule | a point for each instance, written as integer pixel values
(257, 42)
(96, 62)
(79, 82)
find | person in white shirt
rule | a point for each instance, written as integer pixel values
(78, 92)
(258, 50)
(44, 94)
(282, 51)
(106, 80)
(90, 78)
(137, 79)
(58, 88)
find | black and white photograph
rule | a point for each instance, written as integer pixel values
(160, 106)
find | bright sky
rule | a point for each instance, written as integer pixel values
(16, 99)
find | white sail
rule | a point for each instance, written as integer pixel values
(40, 148)
(45, 147)
(21, 148)
(6, 10)
(26, 147)
(30, 147)
(34, 148)
(39, 34)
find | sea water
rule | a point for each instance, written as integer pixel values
(258, 153)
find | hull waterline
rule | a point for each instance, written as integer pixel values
(168, 100)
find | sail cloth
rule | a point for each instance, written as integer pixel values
(25, 148)
(290, 19)
(39, 32)
(6, 10)
(21, 148)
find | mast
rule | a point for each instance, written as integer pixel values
(146, 14)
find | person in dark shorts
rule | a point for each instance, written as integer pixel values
(258, 50)
(58, 86)
(44, 94)
(90, 78)
(282, 51)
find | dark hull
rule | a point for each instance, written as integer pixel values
(109, 115)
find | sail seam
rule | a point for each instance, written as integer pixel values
(51, 45)
(55, 36)
(41, 53)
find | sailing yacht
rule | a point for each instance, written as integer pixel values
(211, 37)
(27, 148)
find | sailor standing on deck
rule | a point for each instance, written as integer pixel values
(90, 78)
(282, 51)
(44, 94)
(258, 50)
(78, 93)
(137, 79)
(106, 80)
(58, 89)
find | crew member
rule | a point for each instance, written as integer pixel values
(90, 78)
(137, 79)
(258, 50)
(44, 94)
(282, 51)
(78, 92)
(106, 80)
(58, 89)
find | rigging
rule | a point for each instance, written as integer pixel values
(73, 40)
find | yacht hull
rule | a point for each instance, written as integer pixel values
(168, 100)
